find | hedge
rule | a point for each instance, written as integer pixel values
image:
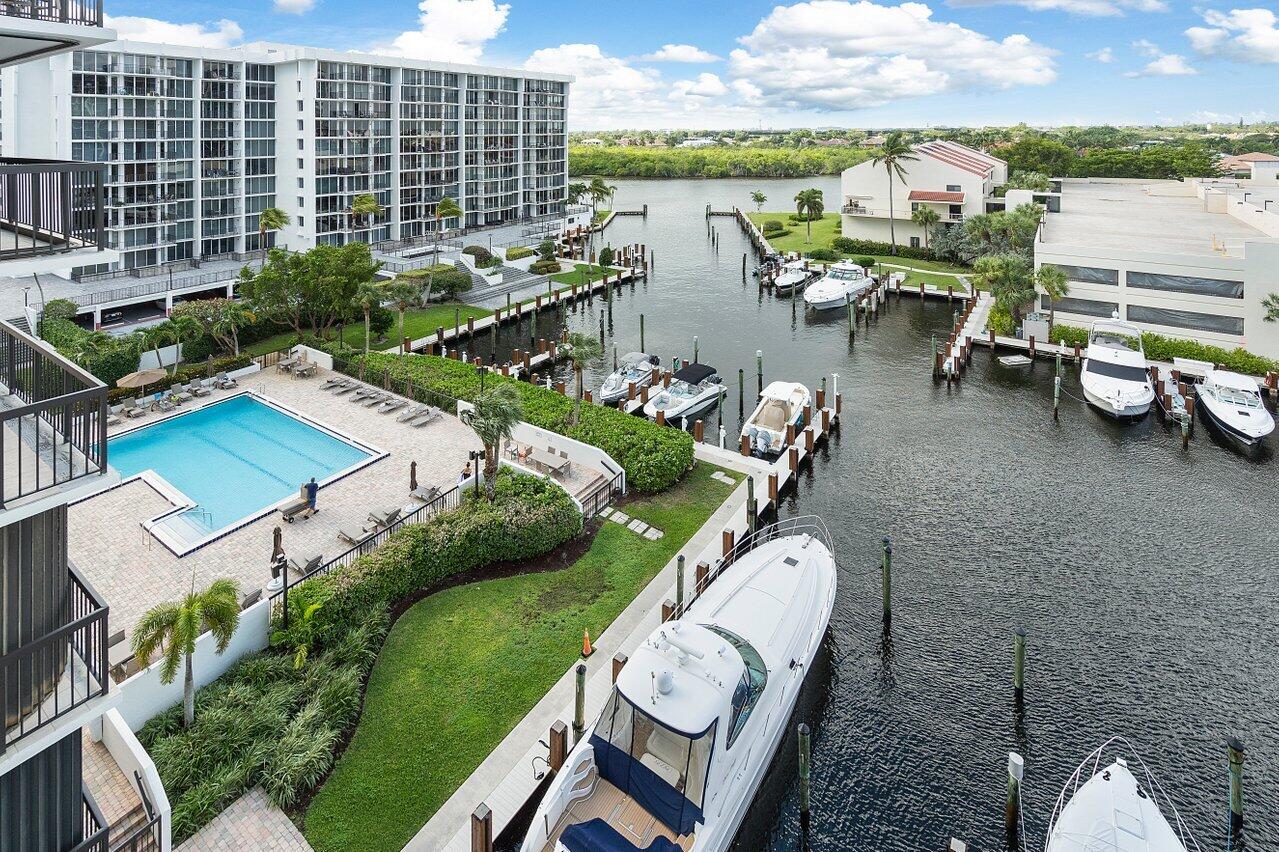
(824, 254)
(849, 245)
(654, 457)
(544, 267)
(1161, 348)
(184, 375)
(518, 252)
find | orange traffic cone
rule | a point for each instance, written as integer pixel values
(587, 650)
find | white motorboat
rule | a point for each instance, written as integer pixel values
(794, 276)
(674, 760)
(780, 405)
(843, 281)
(1109, 808)
(634, 367)
(1115, 378)
(694, 389)
(1232, 403)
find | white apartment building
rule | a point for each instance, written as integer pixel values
(199, 141)
(951, 178)
(1190, 259)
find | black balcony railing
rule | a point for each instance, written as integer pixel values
(44, 680)
(96, 832)
(50, 206)
(87, 12)
(53, 419)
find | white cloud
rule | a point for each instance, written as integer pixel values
(451, 30)
(1165, 65)
(294, 7)
(840, 55)
(1105, 55)
(705, 86)
(1092, 8)
(223, 33)
(1146, 47)
(604, 84)
(680, 53)
(1246, 35)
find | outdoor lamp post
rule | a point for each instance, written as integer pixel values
(479, 368)
(476, 455)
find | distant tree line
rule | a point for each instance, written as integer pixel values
(710, 162)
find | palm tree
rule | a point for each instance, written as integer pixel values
(364, 207)
(157, 337)
(759, 198)
(402, 293)
(584, 348)
(368, 295)
(270, 219)
(446, 208)
(493, 418)
(232, 316)
(809, 204)
(182, 326)
(575, 191)
(927, 218)
(1271, 306)
(172, 628)
(891, 155)
(1053, 283)
(89, 346)
(598, 190)
(1009, 278)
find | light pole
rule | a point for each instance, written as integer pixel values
(480, 369)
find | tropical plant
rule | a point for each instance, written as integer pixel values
(182, 328)
(270, 219)
(598, 190)
(63, 309)
(1009, 278)
(364, 207)
(809, 205)
(583, 348)
(302, 634)
(156, 338)
(575, 192)
(403, 294)
(447, 208)
(311, 290)
(759, 198)
(172, 629)
(1034, 181)
(892, 155)
(368, 294)
(1052, 282)
(493, 417)
(546, 250)
(1271, 306)
(926, 218)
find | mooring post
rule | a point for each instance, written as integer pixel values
(1185, 432)
(759, 368)
(886, 580)
(752, 508)
(679, 583)
(741, 390)
(642, 332)
(1012, 802)
(457, 323)
(579, 704)
(1019, 666)
(695, 350)
(559, 745)
(1056, 393)
(1236, 752)
(852, 313)
(743, 266)
(482, 829)
(805, 772)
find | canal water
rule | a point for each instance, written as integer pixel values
(1144, 575)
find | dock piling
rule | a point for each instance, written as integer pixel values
(1019, 665)
(759, 368)
(1236, 752)
(752, 507)
(679, 583)
(482, 829)
(1056, 391)
(558, 745)
(579, 704)
(805, 773)
(695, 350)
(886, 581)
(741, 390)
(642, 332)
(1012, 801)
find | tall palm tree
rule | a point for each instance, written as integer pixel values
(446, 208)
(759, 198)
(809, 204)
(1009, 278)
(364, 207)
(493, 417)
(575, 191)
(172, 628)
(598, 190)
(891, 155)
(927, 218)
(156, 338)
(368, 295)
(402, 293)
(182, 327)
(1052, 281)
(231, 317)
(584, 349)
(270, 219)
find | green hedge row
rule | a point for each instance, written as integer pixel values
(849, 245)
(184, 375)
(518, 252)
(1161, 348)
(654, 457)
(544, 267)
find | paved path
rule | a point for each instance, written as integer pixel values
(251, 823)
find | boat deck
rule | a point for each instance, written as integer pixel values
(623, 813)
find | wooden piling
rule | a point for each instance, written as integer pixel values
(1236, 757)
(698, 431)
(805, 772)
(1019, 666)
(668, 610)
(793, 455)
(752, 507)
(661, 417)
(886, 583)
(482, 829)
(701, 575)
(579, 704)
(559, 745)
(679, 583)
(772, 489)
(619, 662)
(1012, 799)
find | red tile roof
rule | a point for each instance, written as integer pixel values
(926, 195)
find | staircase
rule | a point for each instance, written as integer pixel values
(133, 832)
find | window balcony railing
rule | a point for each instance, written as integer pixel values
(50, 207)
(86, 12)
(855, 210)
(53, 419)
(94, 830)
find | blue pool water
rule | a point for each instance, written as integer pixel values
(233, 458)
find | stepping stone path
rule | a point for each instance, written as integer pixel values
(635, 525)
(723, 477)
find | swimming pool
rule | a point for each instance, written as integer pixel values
(233, 459)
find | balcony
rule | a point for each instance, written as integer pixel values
(855, 210)
(84, 12)
(50, 207)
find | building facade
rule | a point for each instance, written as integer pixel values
(198, 142)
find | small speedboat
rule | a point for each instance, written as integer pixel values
(780, 405)
(771, 262)
(675, 759)
(793, 276)
(843, 281)
(1109, 808)
(634, 367)
(1115, 378)
(1232, 403)
(694, 390)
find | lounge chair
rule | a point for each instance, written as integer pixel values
(376, 399)
(224, 381)
(332, 382)
(198, 388)
(132, 409)
(308, 566)
(299, 506)
(425, 494)
(162, 403)
(362, 394)
(182, 393)
(356, 538)
(114, 415)
(384, 519)
(413, 411)
(390, 405)
(346, 388)
(426, 417)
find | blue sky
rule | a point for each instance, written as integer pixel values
(856, 63)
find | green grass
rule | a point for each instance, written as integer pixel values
(824, 233)
(418, 322)
(574, 276)
(462, 667)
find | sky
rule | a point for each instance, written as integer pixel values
(712, 64)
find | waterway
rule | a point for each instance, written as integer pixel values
(1145, 575)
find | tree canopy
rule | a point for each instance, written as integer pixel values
(309, 291)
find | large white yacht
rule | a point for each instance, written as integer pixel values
(634, 367)
(780, 405)
(1232, 403)
(1109, 808)
(694, 389)
(842, 281)
(1115, 378)
(698, 712)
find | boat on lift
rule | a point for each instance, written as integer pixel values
(694, 389)
(780, 405)
(1232, 404)
(636, 367)
(793, 277)
(676, 758)
(843, 281)
(1115, 377)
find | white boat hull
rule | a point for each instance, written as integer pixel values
(700, 405)
(1130, 410)
(1246, 437)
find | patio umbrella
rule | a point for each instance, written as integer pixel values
(141, 378)
(277, 545)
(412, 476)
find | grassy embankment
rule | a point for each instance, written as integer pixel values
(418, 322)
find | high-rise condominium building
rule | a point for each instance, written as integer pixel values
(198, 142)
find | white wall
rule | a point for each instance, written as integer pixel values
(132, 758)
(578, 452)
(169, 355)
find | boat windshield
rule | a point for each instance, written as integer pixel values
(1115, 340)
(683, 390)
(1239, 397)
(750, 687)
(845, 273)
(1117, 371)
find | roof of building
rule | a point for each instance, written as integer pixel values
(931, 195)
(1253, 157)
(960, 156)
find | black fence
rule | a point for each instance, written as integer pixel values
(87, 12)
(602, 497)
(51, 206)
(95, 831)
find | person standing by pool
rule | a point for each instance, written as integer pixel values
(312, 489)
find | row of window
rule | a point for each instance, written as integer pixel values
(1192, 284)
(1192, 320)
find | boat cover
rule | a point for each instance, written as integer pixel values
(694, 373)
(653, 793)
(598, 836)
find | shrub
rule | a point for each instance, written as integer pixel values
(184, 375)
(61, 309)
(452, 282)
(519, 252)
(849, 245)
(1161, 348)
(824, 254)
(777, 235)
(772, 226)
(1001, 321)
(1068, 334)
(606, 256)
(796, 219)
(546, 250)
(482, 255)
(865, 261)
(544, 267)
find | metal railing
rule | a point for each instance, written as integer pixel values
(44, 680)
(95, 830)
(87, 12)
(856, 209)
(146, 836)
(152, 287)
(51, 206)
(58, 414)
(602, 497)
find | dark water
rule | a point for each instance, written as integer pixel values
(1145, 576)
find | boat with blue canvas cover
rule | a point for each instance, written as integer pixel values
(697, 713)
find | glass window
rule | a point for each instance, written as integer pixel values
(1089, 274)
(1186, 284)
(1087, 307)
(751, 685)
(1185, 319)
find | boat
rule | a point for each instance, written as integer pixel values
(694, 389)
(843, 281)
(1232, 403)
(1114, 809)
(780, 405)
(771, 262)
(634, 367)
(1115, 378)
(793, 276)
(675, 759)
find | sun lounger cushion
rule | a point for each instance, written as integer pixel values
(598, 836)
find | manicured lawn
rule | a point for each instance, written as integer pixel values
(824, 233)
(418, 322)
(574, 276)
(462, 667)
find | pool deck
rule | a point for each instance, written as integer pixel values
(133, 571)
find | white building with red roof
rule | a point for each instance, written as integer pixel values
(948, 177)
